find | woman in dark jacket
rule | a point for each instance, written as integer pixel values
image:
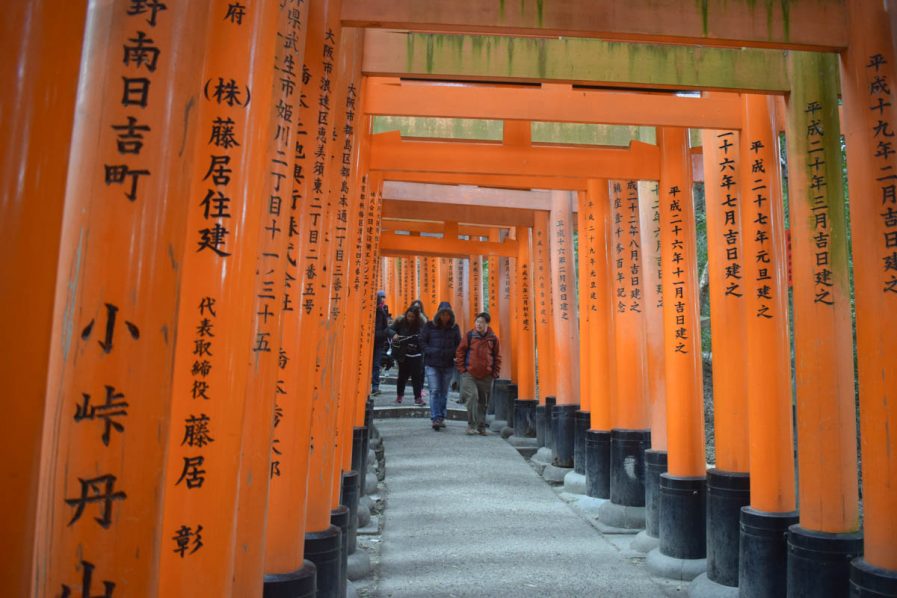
(406, 350)
(439, 340)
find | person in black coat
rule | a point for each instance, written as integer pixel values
(405, 334)
(439, 340)
(381, 324)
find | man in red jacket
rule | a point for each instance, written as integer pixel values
(478, 358)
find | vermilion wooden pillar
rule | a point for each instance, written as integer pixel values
(652, 294)
(583, 417)
(110, 368)
(462, 294)
(631, 433)
(491, 288)
(216, 300)
(319, 296)
(682, 490)
(526, 370)
(443, 278)
(504, 314)
(268, 359)
(545, 366)
(475, 283)
(427, 286)
(771, 442)
(582, 256)
(41, 44)
(566, 337)
(597, 280)
(867, 82)
(630, 398)
(595, 242)
(823, 343)
(288, 468)
(731, 290)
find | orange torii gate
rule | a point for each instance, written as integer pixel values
(145, 242)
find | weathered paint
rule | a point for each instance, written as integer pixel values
(573, 60)
(788, 24)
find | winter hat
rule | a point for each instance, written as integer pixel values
(444, 305)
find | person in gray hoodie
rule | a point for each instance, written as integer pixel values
(439, 340)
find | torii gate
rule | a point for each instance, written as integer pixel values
(69, 278)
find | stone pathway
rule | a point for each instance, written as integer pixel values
(467, 516)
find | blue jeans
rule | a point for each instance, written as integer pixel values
(438, 381)
(375, 374)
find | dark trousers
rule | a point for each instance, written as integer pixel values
(413, 367)
(375, 373)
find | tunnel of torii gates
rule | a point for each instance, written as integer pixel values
(196, 214)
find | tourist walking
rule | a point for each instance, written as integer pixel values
(405, 334)
(439, 341)
(478, 358)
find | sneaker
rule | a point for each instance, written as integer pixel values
(483, 432)
(418, 401)
(375, 392)
(470, 432)
(440, 422)
(399, 400)
(436, 426)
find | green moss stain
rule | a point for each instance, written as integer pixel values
(409, 51)
(539, 13)
(786, 17)
(501, 9)
(770, 5)
(705, 15)
(430, 42)
(543, 58)
(509, 44)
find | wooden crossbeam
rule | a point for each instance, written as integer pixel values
(430, 226)
(390, 152)
(795, 24)
(463, 214)
(550, 102)
(467, 195)
(393, 245)
(488, 180)
(575, 61)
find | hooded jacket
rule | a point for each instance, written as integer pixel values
(480, 358)
(438, 342)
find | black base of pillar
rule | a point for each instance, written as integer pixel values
(727, 492)
(542, 425)
(683, 517)
(365, 448)
(369, 413)
(598, 464)
(565, 430)
(358, 435)
(869, 581)
(525, 418)
(550, 403)
(511, 399)
(582, 421)
(762, 565)
(499, 399)
(340, 518)
(298, 584)
(655, 464)
(819, 562)
(627, 466)
(324, 549)
(349, 498)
